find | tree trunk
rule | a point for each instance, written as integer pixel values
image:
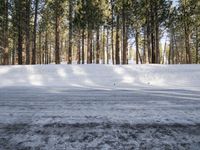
(124, 60)
(35, 33)
(107, 47)
(148, 35)
(13, 51)
(57, 40)
(28, 5)
(144, 47)
(153, 59)
(112, 33)
(137, 46)
(79, 49)
(97, 46)
(20, 38)
(46, 48)
(83, 46)
(20, 44)
(117, 42)
(89, 47)
(170, 52)
(103, 49)
(187, 41)
(6, 56)
(40, 54)
(70, 33)
(187, 45)
(157, 38)
(177, 52)
(197, 45)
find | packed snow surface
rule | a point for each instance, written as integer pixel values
(100, 107)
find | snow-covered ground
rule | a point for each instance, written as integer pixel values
(100, 107)
(102, 77)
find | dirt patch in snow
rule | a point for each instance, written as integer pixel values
(91, 136)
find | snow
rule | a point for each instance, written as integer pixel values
(102, 76)
(100, 107)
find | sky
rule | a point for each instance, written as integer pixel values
(175, 2)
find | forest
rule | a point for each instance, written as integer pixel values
(99, 75)
(99, 32)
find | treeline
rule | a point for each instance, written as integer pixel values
(99, 31)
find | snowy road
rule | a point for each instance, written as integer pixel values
(56, 118)
(89, 107)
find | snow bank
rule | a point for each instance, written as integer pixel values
(101, 76)
(105, 77)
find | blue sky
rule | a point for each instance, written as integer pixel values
(175, 2)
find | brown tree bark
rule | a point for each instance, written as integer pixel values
(153, 56)
(97, 46)
(124, 60)
(20, 38)
(117, 51)
(28, 5)
(103, 48)
(157, 36)
(137, 46)
(70, 33)
(40, 49)
(197, 45)
(46, 48)
(35, 33)
(89, 46)
(144, 47)
(107, 47)
(148, 35)
(83, 46)
(112, 33)
(79, 48)
(6, 44)
(57, 40)
(187, 39)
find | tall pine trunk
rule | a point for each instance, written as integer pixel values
(83, 46)
(35, 33)
(197, 45)
(137, 46)
(6, 55)
(46, 48)
(97, 46)
(112, 33)
(13, 50)
(144, 46)
(57, 40)
(70, 33)
(124, 53)
(89, 46)
(28, 5)
(40, 49)
(20, 38)
(157, 37)
(117, 51)
(103, 48)
(187, 39)
(148, 31)
(153, 53)
(79, 48)
(107, 47)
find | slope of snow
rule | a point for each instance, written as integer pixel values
(102, 76)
